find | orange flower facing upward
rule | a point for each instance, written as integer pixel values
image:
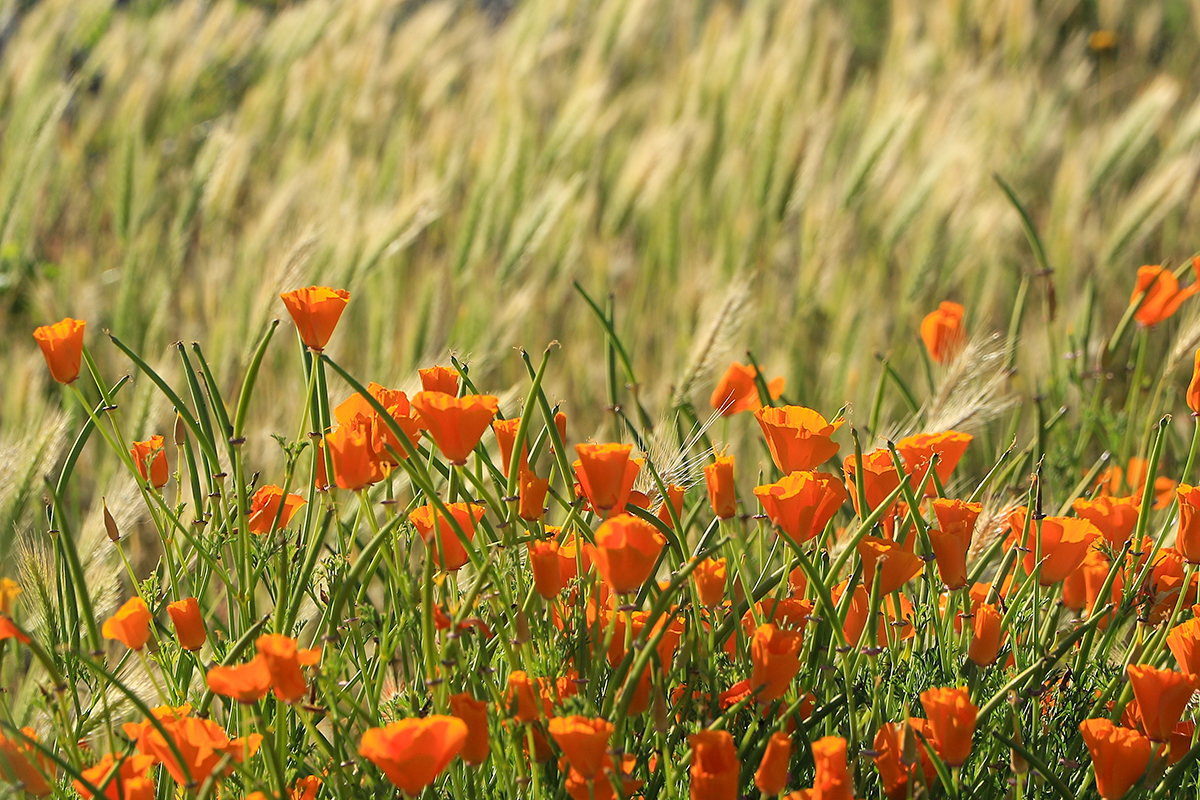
(722, 494)
(772, 774)
(1119, 755)
(531, 495)
(9, 630)
(130, 778)
(627, 551)
(775, 655)
(284, 660)
(715, 766)
(130, 625)
(1114, 517)
(17, 768)
(439, 379)
(896, 565)
(384, 444)
(986, 634)
(801, 504)
(543, 560)
(918, 452)
(799, 438)
(1081, 589)
(710, 575)
(264, 508)
(1187, 539)
(880, 478)
(524, 699)
(943, 332)
(956, 520)
(1162, 696)
(316, 311)
(245, 683)
(894, 768)
(506, 436)
(606, 473)
(736, 391)
(189, 623)
(62, 345)
(355, 464)
(583, 740)
(448, 551)
(305, 788)
(832, 780)
(1193, 390)
(474, 713)
(455, 423)
(413, 752)
(600, 787)
(202, 743)
(1162, 293)
(952, 723)
(151, 453)
(673, 501)
(1133, 478)
(1184, 641)
(1064, 544)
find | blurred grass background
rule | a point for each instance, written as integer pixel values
(816, 174)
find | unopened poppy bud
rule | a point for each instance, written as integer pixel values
(1019, 765)
(180, 436)
(522, 623)
(658, 713)
(110, 524)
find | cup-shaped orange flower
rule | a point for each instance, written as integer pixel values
(627, 551)
(606, 473)
(130, 625)
(1081, 589)
(943, 332)
(1187, 539)
(673, 501)
(543, 560)
(475, 714)
(722, 493)
(986, 634)
(264, 509)
(355, 463)
(715, 766)
(285, 660)
(799, 438)
(439, 379)
(305, 788)
(455, 423)
(710, 575)
(531, 495)
(1193, 390)
(127, 779)
(951, 717)
(601, 788)
(583, 740)
(1064, 545)
(413, 752)
(772, 774)
(775, 655)
(832, 780)
(202, 743)
(386, 446)
(506, 436)
(316, 311)
(62, 345)
(189, 623)
(918, 453)
(1162, 697)
(151, 461)
(245, 683)
(1119, 755)
(880, 478)
(526, 702)
(1114, 517)
(952, 540)
(895, 769)
(896, 566)
(801, 504)
(737, 392)
(448, 551)
(17, 767)
(1184, 642)
(1163, 295)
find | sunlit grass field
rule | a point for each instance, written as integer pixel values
(641, 192)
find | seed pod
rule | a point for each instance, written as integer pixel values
(658, 711)
(522, 624)
(110, 524)
(180, 431)
(1019, 765)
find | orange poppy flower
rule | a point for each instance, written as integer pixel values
(130, 625)
(543, 560)
(570, 550)
(531, 495)
(879, 477)
(355, 464)
(583, 740)
(1181, 742)
(17, 768)
(798, 437)
(986, 634)
(189, 624)
(1184, 641)
(897, 565)
(316, 311)
(455, 423)
(264, 507)
(952, 542)
(943, 332)
(832, 780)
(506, 435)
(1065, 543)
(894, 768)
(202, 743)
(413, 752)
(722, 493)
(448, 551)
(710, 577)
(801, 504)
(675, 499)
(284, 660)
(151, 452)
(1114, 517)
(1163, 295)
(714, 767)
(474, 713)
(245, 683)
(9, 630)
(775, 655)
(1193, 390)
(529, 698)
(1166, 581)
(132, 779)
(10, 590)
(951, 717)
(736, 391)
(1162, 696)
(305, 788)
(1187, 539)
(606, 473)
(627, 551)
(1081, 589)
(600, 788)
(1119, 755)
(918, 452)
(899, 624)
(637, 621)
(384, 443)
(772, 774)
(439, 379)
(62, 345)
